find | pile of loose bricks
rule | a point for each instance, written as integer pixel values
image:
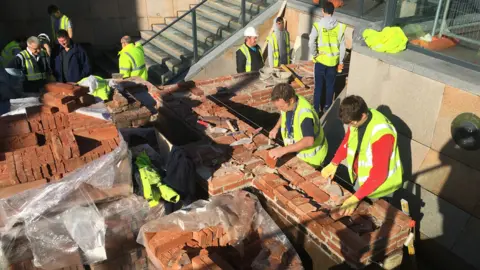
(49, 142)
(238, 246)
(45, 144)
(295, 190)
(126, 111)
(211, 248)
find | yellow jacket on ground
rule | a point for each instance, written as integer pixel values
(389, 40)
(315, 154)
(132, 61)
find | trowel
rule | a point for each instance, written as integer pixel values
(266, 146)
(212, 129)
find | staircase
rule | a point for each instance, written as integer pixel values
(170, 54)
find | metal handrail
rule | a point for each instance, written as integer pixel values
(193, 11)
(174, 21)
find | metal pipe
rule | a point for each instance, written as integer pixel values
(194, 35)
(444, 23)
(360, 8)
(244, 20)
(437, 14)
(174, 21)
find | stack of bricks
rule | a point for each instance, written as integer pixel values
(295, 190)
(213, 248)
(66, 97)
(127, 111)
(45, 144)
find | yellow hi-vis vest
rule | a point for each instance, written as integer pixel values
(64, 21)
(389, 40)
(132, 61)
(8, 53)
(246, 51)
(276, 52)
(328, 44)
(32, 72)
(313, 155)
(102, 91)
(378, 126)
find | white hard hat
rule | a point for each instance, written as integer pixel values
(44, 36)
(250, 32)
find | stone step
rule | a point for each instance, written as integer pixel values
(235, 10)
(212, 26)
(184, 40)
(204, 36)
(156, 71)
(161, 57)
(220, 17)
(263, 3)
(168, 46)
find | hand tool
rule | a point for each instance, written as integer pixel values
(295, 76)
(212, 129)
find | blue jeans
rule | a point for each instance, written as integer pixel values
(327, 74)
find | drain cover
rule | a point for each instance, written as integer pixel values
(465, 131)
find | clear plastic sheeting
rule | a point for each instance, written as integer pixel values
(80, 235)
(68, 238)
(239, 213)
(104, 179)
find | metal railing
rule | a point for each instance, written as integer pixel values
(193, 11)
(460, 20)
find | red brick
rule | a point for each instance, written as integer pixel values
(199, 264)
(98, 133)
(306, 208)
(22, 178)
(321, 218)
(298, 201)
(209, 237)
(292, 194)
(66, 89)
(57, 147)
(313, 191)
(291, 176)
(9, 144)
(271, 162)
(316, 178)
(220, 181)
(35, 110)
(14, 125)
(270, 177)
(382, 210)
(273, 183)
(237, 185)
(260, 184)
(45, 172)
(72, 164)
(12, 190)
(253, 163)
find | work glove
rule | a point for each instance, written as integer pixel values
(340, 68)
(329, 171)
(349, 206)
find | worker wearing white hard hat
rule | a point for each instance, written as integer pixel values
(249, 56)
(45, 43)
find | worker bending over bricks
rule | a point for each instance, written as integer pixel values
(300, 127)
(370, 147)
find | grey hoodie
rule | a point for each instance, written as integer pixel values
(328, 23)
(282, 49)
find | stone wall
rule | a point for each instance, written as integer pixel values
(97, 22)
(442, 180)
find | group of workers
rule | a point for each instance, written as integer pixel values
(370, 145)
(326, 47)
(38, 60)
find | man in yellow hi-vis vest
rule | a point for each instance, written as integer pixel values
(132, 59)
(11, 49)
(371, 149)
(300, 127)
(59, 21)
(249, 56)
(327, 46)
(279, 45)
(33, 64)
